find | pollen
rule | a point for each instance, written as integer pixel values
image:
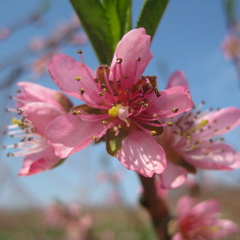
(113, 112)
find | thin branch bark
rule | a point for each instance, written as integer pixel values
(156, 207)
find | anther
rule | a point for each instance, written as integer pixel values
(127, 90)
(125, 76)
(30, 139)
(169, 124)
(157, 92)
(139, 87)
(138, 59)
(101, 94)
(152, 133)
(175, 110)
(78, 78)
(103, 86)
(118, 80)
(128, 100)
(104, 122)
(106, 66)
(132, 110)
(79, 51)
(96, 80)
(76, 112)
(155, 115)
(145, 105)
(94, 138)
(119, 102)
(115, 94)
(81, 91)
(119, 60)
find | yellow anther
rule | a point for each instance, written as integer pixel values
(76, 112)
(169, 123)
(104, 122)
(94, 138)
(152, 133)
(78, 78)
(113, 112)
(16, 121)
(175, 110)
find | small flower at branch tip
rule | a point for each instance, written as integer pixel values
(197, 221)
(122, 107)
(194, 141)
(231, 47)
(37, 106)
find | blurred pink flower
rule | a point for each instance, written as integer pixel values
(4, 33)
(120, 104)
(69, 217)
(201, 221)
(193, 141)
(37, 106)
(39, 66)
(37, 44)
(231, 47)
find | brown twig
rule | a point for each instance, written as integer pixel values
(156, 207)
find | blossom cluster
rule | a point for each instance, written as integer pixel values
(147, 130)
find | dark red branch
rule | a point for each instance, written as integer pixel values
(156, 207)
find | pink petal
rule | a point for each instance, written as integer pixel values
(173, 176)
(32, 92)
(221, 121)
(215, 156)
(175, 97)
(207, 208)
(140, 152)
(178, 236)
(41, 114)
(177, 79)
(69, 133)
(225, 228)
(38, 162)
(64, 69)
(135, 44)
(184, 206)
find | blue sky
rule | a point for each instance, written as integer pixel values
(188, 38)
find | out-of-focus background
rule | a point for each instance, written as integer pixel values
(189, 38)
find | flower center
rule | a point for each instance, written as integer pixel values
(121, 111)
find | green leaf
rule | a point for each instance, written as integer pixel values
(151, 15)
(110, 8)
(124, 11)
(114, 143)
(94, 21)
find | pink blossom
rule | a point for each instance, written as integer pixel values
(37, 106)
(69, 217)
(120, 104)
(4, 33)
(201, 221)
(37, 44)
(193, 141)
(231, 47)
